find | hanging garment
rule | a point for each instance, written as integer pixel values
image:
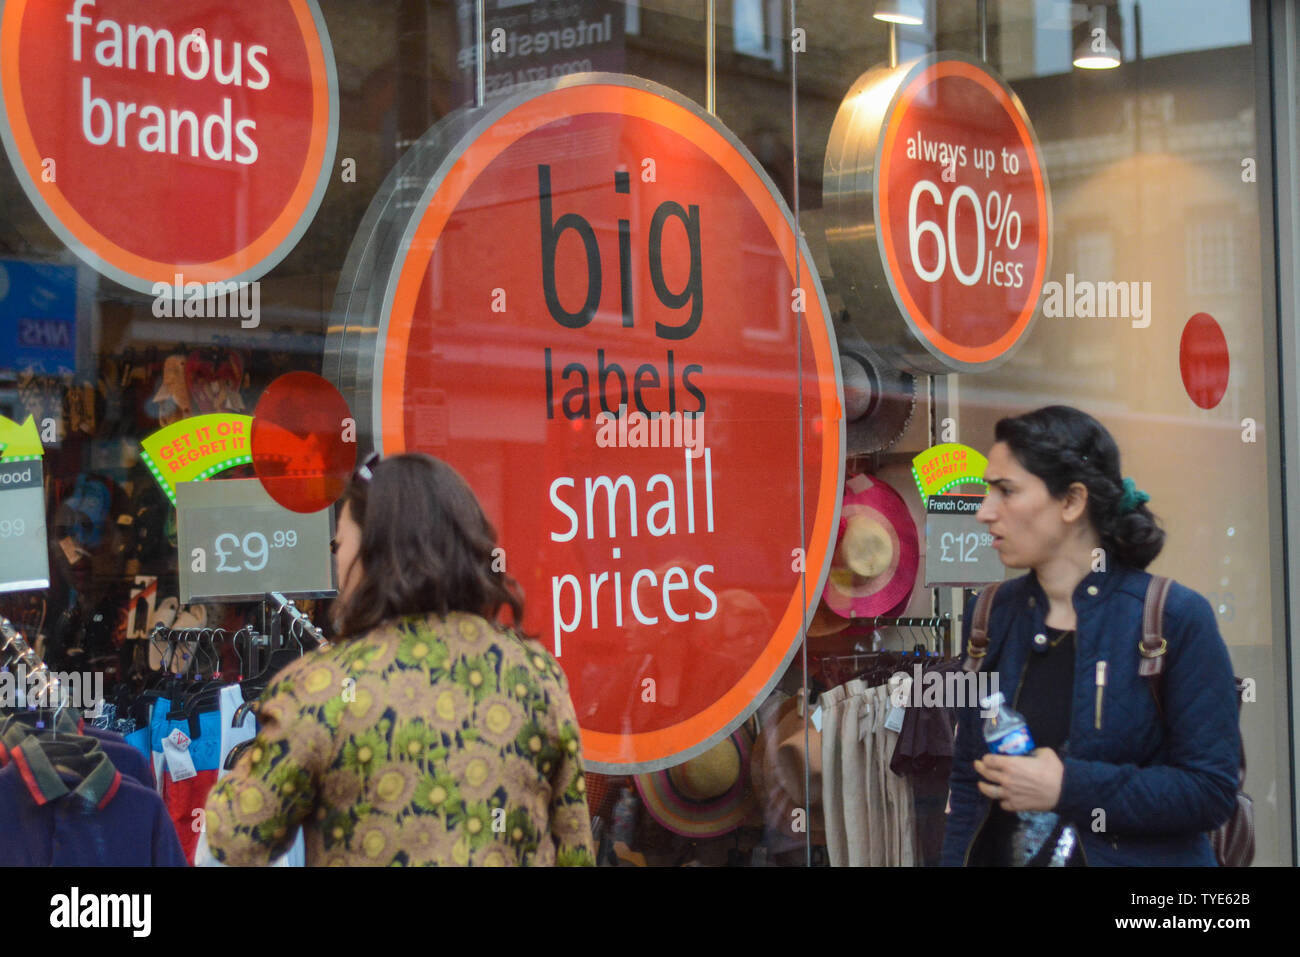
(14, 728)
(172, 401)
(924, 754)
(787, 778)
(231, 698)
(869, 812)
(185, 760)
(213, 378)
(79, 814)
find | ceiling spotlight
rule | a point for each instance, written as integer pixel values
(907, 12)
(1094, 49)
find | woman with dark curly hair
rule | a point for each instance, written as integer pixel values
(1141, 774)
(431, 734)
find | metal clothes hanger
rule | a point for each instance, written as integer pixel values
(276, 662)
(234, 643)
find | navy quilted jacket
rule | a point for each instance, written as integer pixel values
(1161, 785)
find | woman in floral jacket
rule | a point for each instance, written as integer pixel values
(431, 735)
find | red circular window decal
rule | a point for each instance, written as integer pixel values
(1203, 360)
(304, 442)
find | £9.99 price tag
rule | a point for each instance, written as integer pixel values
(235, 541)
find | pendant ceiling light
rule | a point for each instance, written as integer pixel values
(1094, 47)
(907, 12)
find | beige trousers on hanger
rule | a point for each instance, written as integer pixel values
(870, 821)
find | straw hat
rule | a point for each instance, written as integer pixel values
(780, 762)
(825, 622)
(706, 796)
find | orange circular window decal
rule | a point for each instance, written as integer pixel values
(935, 188)
(599, 312)
(170, 144)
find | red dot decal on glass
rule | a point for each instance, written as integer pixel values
(304, 442)
(1203, 360)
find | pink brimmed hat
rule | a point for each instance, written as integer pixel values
(877, 553)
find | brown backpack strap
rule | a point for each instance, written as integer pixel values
(1153, 665)
(1154, 645)
(978, 645)
(1234, 841)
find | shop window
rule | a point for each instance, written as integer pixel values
(763, 271)
(756, 30)
(1212, 254)
(1094, 256)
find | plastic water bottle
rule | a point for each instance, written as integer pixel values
(1006, 732)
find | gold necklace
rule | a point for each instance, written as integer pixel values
(1063, 636)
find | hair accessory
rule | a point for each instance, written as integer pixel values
(364, 470)
(1132, 497)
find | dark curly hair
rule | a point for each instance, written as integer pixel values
(1062, 445)
(426, 547)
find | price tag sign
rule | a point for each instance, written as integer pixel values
(235, 541)
(958, 549)
(24, 553)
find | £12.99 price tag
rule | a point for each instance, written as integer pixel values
(958, 548)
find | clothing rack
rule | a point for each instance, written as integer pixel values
(299, 625)
(129, 835)
(196, 631)
(176, 636)
(297, 618)
(940, 623)
(20, 652)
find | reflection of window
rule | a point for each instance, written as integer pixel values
(1212, 254)
(632, 17)
(766, 270)
(756, 29)
(1094, 256)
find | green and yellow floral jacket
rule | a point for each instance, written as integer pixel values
(429, 741)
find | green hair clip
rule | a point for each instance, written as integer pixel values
(1132, 497)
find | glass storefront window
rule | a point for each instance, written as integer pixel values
(638, 208)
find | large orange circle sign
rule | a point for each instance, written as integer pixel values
(170, 143)
(957, 191)
(600, 314)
